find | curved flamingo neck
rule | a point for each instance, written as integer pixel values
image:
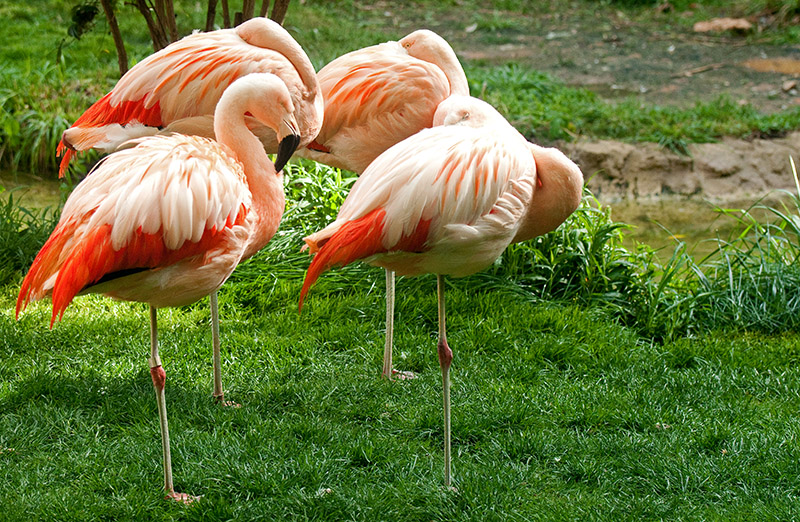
(455, 74)
(440, 54)
(265, 33)
(266, 185)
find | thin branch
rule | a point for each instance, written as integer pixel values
(226, 15)
(264, 8)
(171, 23)
(156, 34)
(119, 43)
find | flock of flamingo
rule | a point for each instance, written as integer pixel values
(187, 190)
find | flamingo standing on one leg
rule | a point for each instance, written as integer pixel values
(178, 88)
(166, 222)
(448, 200)
(376, 97)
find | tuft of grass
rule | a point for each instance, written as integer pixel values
(22, 234)
(756, 270)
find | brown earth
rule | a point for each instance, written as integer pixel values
(655, 59)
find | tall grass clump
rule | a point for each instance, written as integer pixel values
(22, 234)
(36, 106)
(585, 262)
(753, 280)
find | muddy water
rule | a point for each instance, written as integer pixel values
(657, 223)
(30, 191)
(663, 223)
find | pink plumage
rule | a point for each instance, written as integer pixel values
(448, 200)
(378, 96)
(179, 87)
(167, 221)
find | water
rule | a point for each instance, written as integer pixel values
(30, 191)
(657, 223)
(661, 224)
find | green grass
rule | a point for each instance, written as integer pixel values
(589, 381)
(558, 414)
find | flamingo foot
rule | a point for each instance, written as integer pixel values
(182, 497)
(401, 375)
(220, 399)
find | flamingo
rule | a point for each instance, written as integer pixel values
(166, 222)
(176, 90)
(448, 200)
(376, 97)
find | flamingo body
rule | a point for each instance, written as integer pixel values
(179, 87)
(181, 206)
(167, 221)
(378, 96)
(375, 98)
(447, 200)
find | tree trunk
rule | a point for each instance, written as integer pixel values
(211, 14)
(156, 31)
(171, 23)
(165, 14)
(248, 9)
(279, 10)
(264, 8)
(226, 15)
(122, 55)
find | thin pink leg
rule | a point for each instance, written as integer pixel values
(159, 377)
(388, 371)
(216, 357)
(445, 358)
(219, 395)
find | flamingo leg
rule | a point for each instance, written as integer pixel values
(445, 358)
(388, 371)
(159, 377)
(387, 351)
(219, 395)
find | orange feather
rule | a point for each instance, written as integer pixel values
(93, 257)
(103, 113)
(359, 239)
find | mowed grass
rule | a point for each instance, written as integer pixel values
(558, 413)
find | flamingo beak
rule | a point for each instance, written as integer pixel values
(288, 143)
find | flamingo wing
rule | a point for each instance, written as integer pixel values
(176, 197)
(183, 80)
(442, 185)
(375, 98)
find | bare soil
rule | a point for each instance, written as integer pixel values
(655, 59)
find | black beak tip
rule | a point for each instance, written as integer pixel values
(286, 148)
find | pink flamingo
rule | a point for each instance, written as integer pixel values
(166, 222)
(177, 89)
(376, 97)
(449, 200)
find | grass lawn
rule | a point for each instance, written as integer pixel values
(559, 413)
(592, 406)
(588, 382)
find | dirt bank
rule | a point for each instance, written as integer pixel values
(732, 169)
